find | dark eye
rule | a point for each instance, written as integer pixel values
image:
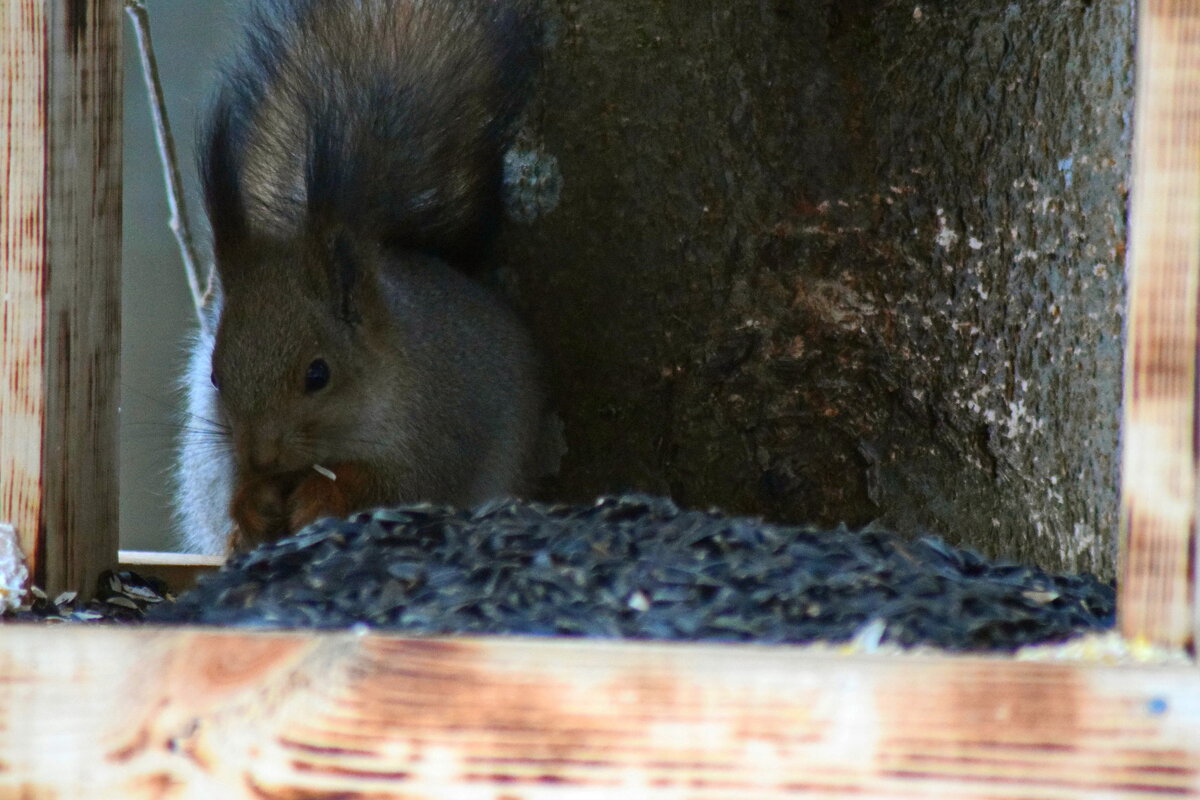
(216, 382)
(317, 376)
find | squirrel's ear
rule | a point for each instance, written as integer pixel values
(219, 177)
(345, 276)
(350, 277)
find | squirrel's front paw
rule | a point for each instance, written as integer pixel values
(318, 495)
(259, 510)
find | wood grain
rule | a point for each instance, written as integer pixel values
(171, 713)
(60, 143)
(1157, 587)
(22, 256)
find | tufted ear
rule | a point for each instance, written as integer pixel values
(219, 168)
(332, 197)
(345, 276)
(342, 269)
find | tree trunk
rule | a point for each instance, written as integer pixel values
(841, 261)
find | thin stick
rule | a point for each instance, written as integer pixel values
(166, 151)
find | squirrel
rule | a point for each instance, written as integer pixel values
(351, 168)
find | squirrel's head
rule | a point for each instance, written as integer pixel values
(303, 351)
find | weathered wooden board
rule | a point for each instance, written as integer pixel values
(178, 570)
(1157, 598)
(60, 208)
(22, 256)
(186, 713)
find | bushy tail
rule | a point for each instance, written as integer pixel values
(387, 117)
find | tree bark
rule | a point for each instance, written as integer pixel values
(843, 261)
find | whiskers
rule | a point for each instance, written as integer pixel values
(322, 452)
(210, 435)
(147, 418)
(362, 446)
(318, 450)
(164, 421)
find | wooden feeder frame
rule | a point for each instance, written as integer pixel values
(181, 712)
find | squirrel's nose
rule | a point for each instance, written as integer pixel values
(262, 460)
(261, 451)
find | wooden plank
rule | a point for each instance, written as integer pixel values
(1157, 598)
(60, 164)
(178, 570)
(170, 713)
(22, 255)
(155, 558)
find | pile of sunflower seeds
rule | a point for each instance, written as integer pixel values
(638, 567)
(119, 597)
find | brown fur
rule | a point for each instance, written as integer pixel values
(351, 169)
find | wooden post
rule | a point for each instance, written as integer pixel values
(1159, 470)
(60, 179)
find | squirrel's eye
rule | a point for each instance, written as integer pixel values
(317, 376)
(216, 382)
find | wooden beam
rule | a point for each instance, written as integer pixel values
(60, 169)
(147, 714)
(178, 570)
(1157, 599)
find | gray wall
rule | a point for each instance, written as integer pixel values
(157, 308)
